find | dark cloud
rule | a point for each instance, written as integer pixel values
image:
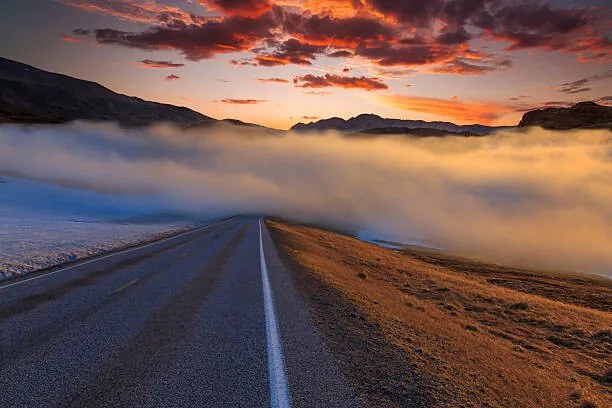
(147, 63)
(243, 101)
(196, 41)
(338, 32)
(331, 80)
(407, 55)
(291, 51)
(582, 85)
(388, 33)
(455, 37)
(172, 77)
(274, 80)
(462, 66)
(340, 54)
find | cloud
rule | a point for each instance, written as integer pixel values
(582, 85)
(160, 64)
(484, 113)
(332, 80)
(311, 117)
(69, 38)
(195, 41)
(291, 51)
(172, 77)
(386, 33)
(463, 66)
(135, 11)
(532, 197)
(239, 7)
(317, 93)
(243, 101)
(274, 80)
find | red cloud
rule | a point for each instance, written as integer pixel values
(69, 38)
(239, 7)
(331, 80)
(388, 33)
(160, 64)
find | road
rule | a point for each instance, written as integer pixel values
(209, 318)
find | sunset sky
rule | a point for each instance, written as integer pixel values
(280, 62)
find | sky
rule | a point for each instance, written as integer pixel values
(279, 62)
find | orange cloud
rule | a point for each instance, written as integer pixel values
(143, 11)
(69, 38)
(451, 108)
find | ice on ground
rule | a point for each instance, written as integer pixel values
(42, 225)
(374, 236)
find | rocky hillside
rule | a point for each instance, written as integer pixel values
(31, 95)
(583, 115)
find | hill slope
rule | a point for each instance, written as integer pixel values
(415, 328)
(31, 95)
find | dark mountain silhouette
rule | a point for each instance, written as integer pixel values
(31, 95)
(367, 122)
(587, 115)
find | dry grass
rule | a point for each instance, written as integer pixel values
(472, 334)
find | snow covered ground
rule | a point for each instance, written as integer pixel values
(42, 224)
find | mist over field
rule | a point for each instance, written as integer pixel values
(536, 198)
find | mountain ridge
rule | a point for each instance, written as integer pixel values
(369, 121)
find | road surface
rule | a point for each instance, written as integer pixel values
(209, 318)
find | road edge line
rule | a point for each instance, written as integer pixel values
(279, 389)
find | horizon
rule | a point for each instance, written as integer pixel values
(278, 63)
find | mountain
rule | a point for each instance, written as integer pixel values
(366, 122)
(582, 115)
(31, 95)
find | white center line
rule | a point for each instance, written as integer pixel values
(279, 390)
(109, 256)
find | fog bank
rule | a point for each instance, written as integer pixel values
(538, 198)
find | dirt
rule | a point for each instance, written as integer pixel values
(420, 329)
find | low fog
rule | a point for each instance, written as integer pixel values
(536, 198)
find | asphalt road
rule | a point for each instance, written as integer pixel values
(199, 320)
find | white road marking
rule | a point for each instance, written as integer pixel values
(108, 256)
(279, 389)
(127, 285)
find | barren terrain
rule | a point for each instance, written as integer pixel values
(418, 328)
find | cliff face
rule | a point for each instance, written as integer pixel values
(584, 115)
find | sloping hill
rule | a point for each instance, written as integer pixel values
(585, 115)
(31, 95)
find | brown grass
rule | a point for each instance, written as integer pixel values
(467, 334)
